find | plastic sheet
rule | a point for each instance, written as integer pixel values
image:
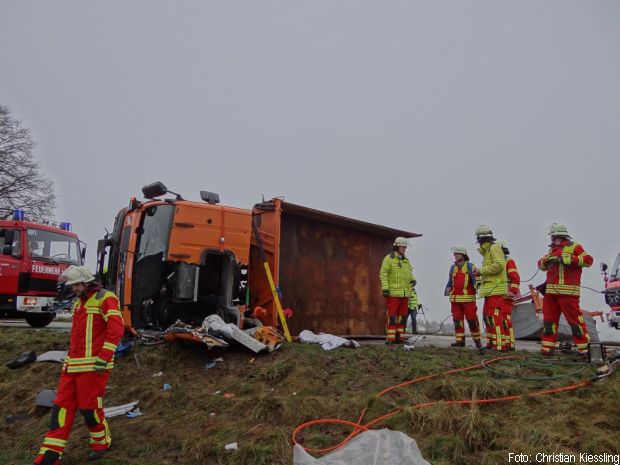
(327, 341)
(374, 447)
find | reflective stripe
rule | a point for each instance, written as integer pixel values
(55, 442)
(109, 346)
(99, 403)
(62, 416)
(88, 344)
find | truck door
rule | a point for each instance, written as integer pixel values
(10, 259)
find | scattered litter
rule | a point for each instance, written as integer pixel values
(158, 374)
(136, 357)
(228, 395)
(123, 349)
(408, 347)
(135, 413)
(212, 414)
(217, 392)
(18, 417)
(294, 393)
(252, 360)
(219, 359)
(57, 356)
(21, 360)
(327, 341)
(166, 387)
(46, 398)
(210, 365)
(231, 446)
(269, 336)
(116, 411)
(373, 447)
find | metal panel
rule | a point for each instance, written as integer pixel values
(328, 269)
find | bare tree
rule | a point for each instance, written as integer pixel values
(21, 183)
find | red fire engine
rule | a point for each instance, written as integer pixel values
(32, 257)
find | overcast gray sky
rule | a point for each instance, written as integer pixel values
(430, 116)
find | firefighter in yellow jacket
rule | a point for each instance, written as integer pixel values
(397, 283)
(493, 282)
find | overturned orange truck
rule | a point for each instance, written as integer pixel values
(171, 258)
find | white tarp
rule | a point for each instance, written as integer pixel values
(327, 341)
(374, 447)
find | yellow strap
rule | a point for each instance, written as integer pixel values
(276, 299)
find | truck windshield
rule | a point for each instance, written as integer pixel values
(615, 271)
(156, 231)
(47, 245)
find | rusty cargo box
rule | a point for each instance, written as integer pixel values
(326, 268)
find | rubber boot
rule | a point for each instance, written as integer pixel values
(458, 344)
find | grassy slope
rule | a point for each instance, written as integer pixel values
(277, 392)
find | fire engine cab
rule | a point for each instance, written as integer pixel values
(32, 257)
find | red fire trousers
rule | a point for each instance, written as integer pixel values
(462, 311)
(553, 306)
(83, 391)
(491, 314)
(397, 311)
(508, 334)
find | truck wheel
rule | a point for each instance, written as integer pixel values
(39, 320)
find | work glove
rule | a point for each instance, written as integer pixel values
(386, 292)
(552, 259)
(100, 365)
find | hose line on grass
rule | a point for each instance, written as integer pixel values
(359, 426)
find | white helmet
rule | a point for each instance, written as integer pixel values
(559, 230)
(458, 249)
(401, 242)
(76, 274)
(484, 231)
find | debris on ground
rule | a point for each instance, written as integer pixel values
(327, 341)
(158, 374)
(215, 325)
(57, 356)
(123, 349)
(373, 447)
(22, 360)
(116, 411)
(166, 387)
(45, 398)
(231, 446)
(13, 418)
(182, 331)
(135, 413)
(208, 366)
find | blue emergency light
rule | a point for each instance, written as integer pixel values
(65, 226)
(19, 215)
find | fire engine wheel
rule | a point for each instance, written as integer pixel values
(39, 320)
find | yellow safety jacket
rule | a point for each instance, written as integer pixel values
(396, 275)
(493, 279)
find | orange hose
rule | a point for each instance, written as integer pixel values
(359, 427)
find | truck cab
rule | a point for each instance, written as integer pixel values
(176, 259)
(33, 255)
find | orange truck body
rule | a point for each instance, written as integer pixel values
(325, 266)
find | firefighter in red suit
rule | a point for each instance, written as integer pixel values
(514, 281)
(461, 289)
(563, 264)
(96, 330)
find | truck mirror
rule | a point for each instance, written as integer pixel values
(83, 253)
(603, 267)
(155, 189)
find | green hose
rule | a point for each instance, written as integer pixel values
(537, 363)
